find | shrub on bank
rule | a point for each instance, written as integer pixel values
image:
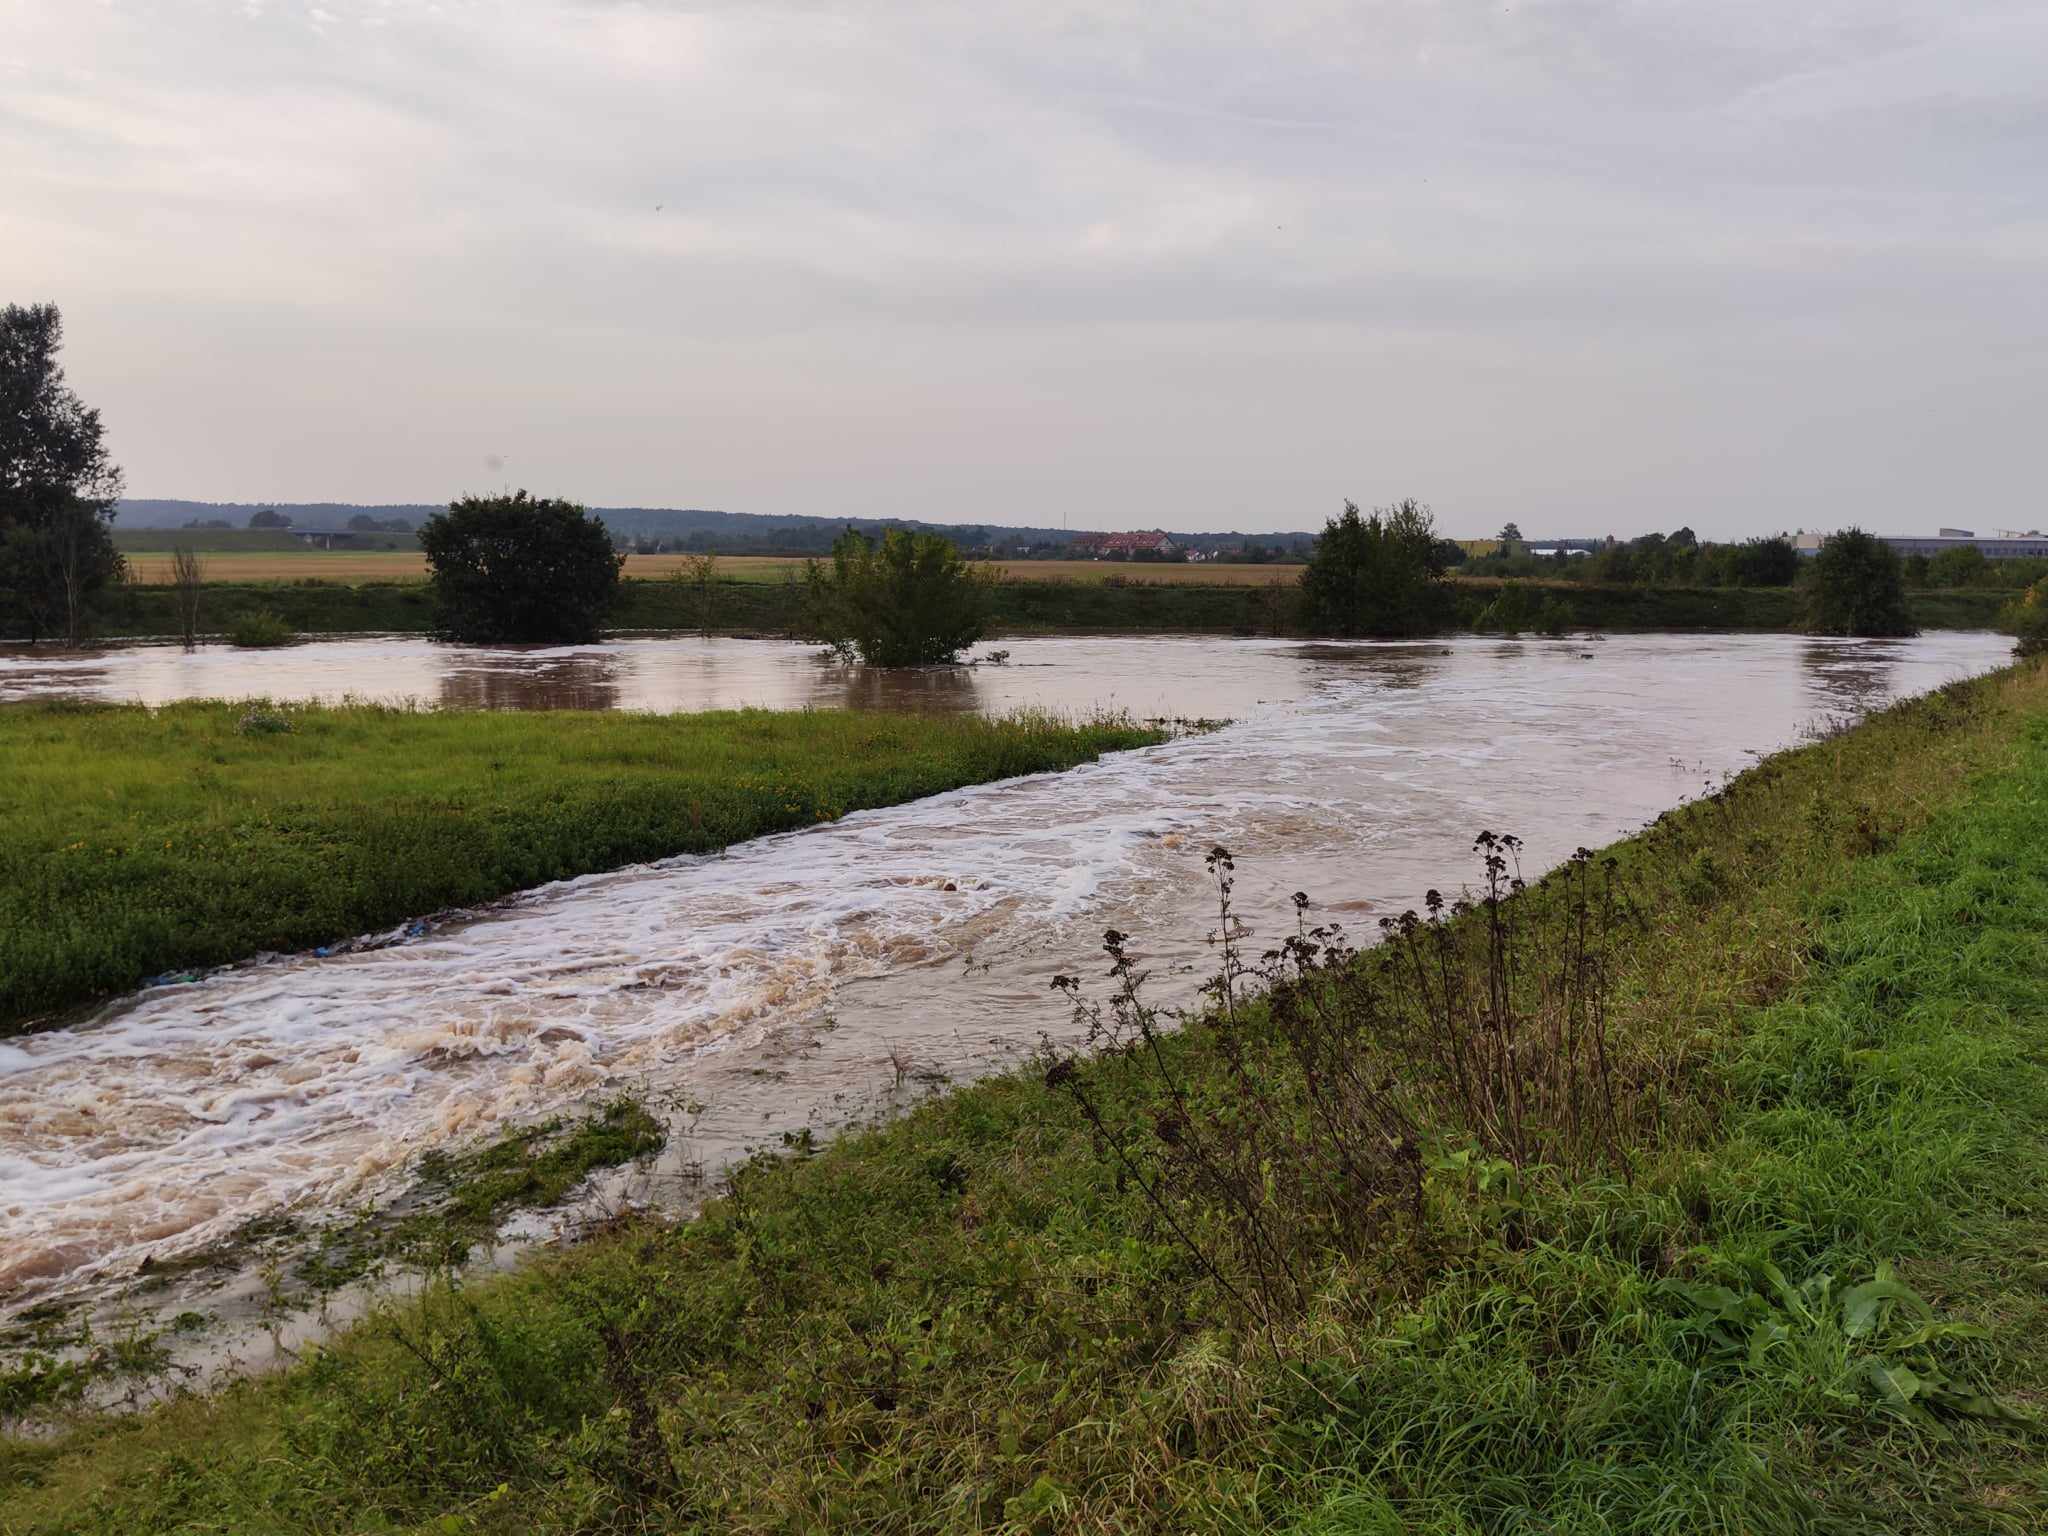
(2026, 620)
(520, 568)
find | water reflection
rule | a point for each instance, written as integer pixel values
(918, 690)
(586, 680)
(1852, 676)
(1146, 676)
(1405, 665)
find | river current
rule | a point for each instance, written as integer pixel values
(804, 980)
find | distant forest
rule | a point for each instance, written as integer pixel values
(661, 529)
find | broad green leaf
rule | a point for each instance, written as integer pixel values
(1863, 1305)
(1897, 1383)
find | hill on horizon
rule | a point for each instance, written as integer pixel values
(697, 527)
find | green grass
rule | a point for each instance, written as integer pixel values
(137, 841)
(1820, 1303)
(457, 1201)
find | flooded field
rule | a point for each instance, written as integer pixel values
(803, 980)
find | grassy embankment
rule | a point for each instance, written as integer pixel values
(136, 841)
(1139, 603)
(1820, 1048)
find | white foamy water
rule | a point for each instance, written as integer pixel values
(1356, 773)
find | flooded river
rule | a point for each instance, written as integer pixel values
(802, 980)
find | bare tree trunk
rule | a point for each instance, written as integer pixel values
(188, 571)
(65, 557)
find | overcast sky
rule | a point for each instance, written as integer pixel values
(1593, 265)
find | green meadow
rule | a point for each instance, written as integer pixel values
(1699, 1187)
(138, 841)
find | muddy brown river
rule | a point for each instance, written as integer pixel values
(809, 979)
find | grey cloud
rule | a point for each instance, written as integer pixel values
(1762, 263)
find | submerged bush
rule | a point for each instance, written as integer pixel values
(909, 601)
(260, 630)
(1856, 585)
(1518, 608)
(1377, 574)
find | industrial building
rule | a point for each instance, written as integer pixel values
(2002, 545)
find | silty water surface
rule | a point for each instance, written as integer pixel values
(787, 982)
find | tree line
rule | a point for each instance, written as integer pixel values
(1387, 574)
(517, 567)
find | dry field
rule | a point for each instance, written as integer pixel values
(154, 568)
(354, 568)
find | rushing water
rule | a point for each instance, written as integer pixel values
(787, 981)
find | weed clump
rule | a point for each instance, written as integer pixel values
(264, 722)
(1334, 1104)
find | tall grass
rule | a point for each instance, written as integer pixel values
(137, 841)
(1811, 1300)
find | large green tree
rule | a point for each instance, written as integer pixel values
(1771, 562)
(1856, 585)
(520, 568)
(58, 484)
(908, 601)
(1377, 574)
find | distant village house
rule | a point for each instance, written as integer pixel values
(1108, 546)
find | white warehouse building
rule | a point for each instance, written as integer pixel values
(1996, 546)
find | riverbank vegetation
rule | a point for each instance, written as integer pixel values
(740, 601)
(1698, 1187)
(136, 841)
(2026, 620)
(1137, 605)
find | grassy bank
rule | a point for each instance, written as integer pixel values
(1134, 603)
(1705, 1191)
(137, 841)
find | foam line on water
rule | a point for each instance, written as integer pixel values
(369, 1056)
(175, 1115)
